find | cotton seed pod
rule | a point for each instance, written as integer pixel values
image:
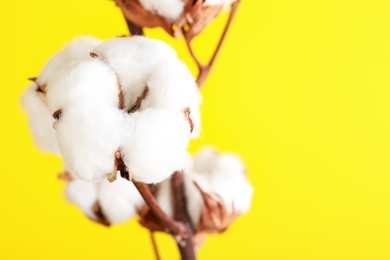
(155, 143)
(84, 98)
(119, 200)
(151, 76)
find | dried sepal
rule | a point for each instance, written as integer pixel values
(57, 114)
(187, 112)
(215, 217)
(100, 217)
(195, 18)
(65, 176)
(148, 220)
(135, 12)
(196, 15)
(138, 102)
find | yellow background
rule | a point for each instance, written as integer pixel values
(301, 91)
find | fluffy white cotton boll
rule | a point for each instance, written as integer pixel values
(119, 200)
(204, 160)
(164, 197)
(133, 59)
(88, 140)
(88, 83)
(79, 48)
(155, 144)
(40, 121)
(228, 180)
(169, 9)
(83, 194)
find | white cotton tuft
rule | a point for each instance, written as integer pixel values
(204, 160)
(40, 121)
(79, 48)
(83, 194)
(88, 141)
(229, 181)
(142, 63)
(119, 200)
(155, 144)
(90, 124)
(218, 174)
(169, 9)
(40, 118)
(85, 84)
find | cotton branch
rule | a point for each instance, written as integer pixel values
(204, 70)
(186, 246)
(175, 228)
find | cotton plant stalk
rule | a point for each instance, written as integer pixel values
(179, 18)
(121, 114)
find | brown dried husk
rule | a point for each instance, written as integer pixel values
(215, 217)
(195, 17)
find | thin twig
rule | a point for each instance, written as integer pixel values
(174, 227)
(134, 29)
(155, 248)
(204, 70)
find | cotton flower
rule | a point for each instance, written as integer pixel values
(110, 203)
(34, 101)
(130, 100)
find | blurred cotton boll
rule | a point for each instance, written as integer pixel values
(112, 202)
(40, 121)
(83, 194)
(119, 200)
(169, 9)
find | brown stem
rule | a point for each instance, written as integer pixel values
(186, 246)
(155, 248)
(134, 29)
(204, 70)
(173, 227)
